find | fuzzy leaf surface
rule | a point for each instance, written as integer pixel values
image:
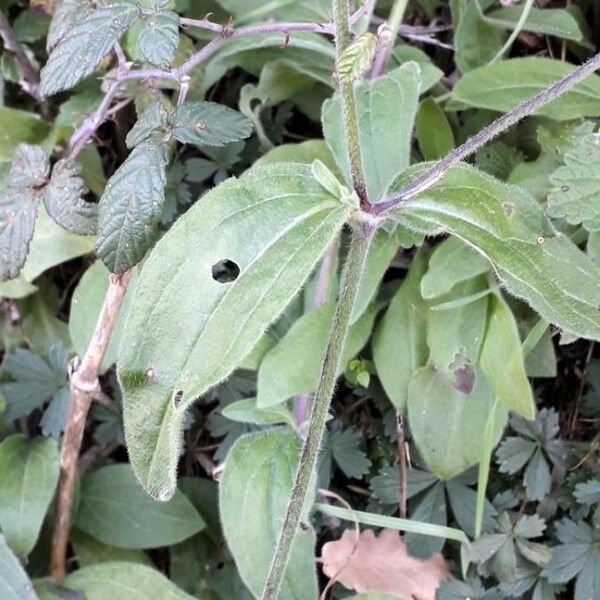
(159, 37)
(186, 330)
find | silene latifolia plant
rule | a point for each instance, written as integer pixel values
(206, 289)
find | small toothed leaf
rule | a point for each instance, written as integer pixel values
(29, 167)
(66, 14)
(129, 211)
(18, 210)
(63, 199)
(153, 119)
(209, 124)
(159, 37)
(82, 48)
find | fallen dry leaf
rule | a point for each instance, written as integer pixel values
(382, 564)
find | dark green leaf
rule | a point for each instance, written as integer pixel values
(29, 167)
(434, 134)
(158, 38)
(154, 119)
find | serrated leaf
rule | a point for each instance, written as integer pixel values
(14, 582)
(504, 84)
(253, 494)
(575, 195)
(400, 341)
(66, 14)
(114, 509)
(451, 262)
(18, 211)
(29, 473)
(154, 119)
(502, 360)
(186, 331)
(345, 449)
(130, 208)
(385, 135)
(64, 202)
(29, 167)
(537, 477)
(508, 227)
(209, 124)
(588, 492)
(514, 453)
(158, 38)
(84, 45)
(292, 367)
(448, 424)
(431, 508)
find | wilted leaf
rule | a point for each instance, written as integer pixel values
(158, 38)
(188, 327)
(382, 564)
(130, 208)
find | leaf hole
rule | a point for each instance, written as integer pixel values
(225, 271)
(176, 398)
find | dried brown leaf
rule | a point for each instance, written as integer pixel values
(382, 564)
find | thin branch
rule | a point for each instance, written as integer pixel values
(31, 77)
(522, 110)
(331, 364)
(84, 386)
(383, 56)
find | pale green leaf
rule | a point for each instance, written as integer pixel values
(89, 551)
(247, 411)
(209, 124)
(124, 581)
(84, 45)
(18, 212)
(14, 582)
(447, 424)
(452, 262)
(253, 495)
(115, 510)
(85, 307)
(293, 366)
(502, 85)
(385, 134)
(29, 474)
(434, 133)
(575, 194)
(17, 126)
(64, 202)
(430, 74)
(400, 340)
(158, 38)
(130, 208)
(186, 331)
(502, 360)
(533, 260)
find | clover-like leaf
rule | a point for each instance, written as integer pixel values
(158, 37)
(209, 124)
(212, 285)
(64, 202)
(130, 208)
(84, 45)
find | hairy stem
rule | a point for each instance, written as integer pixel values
(331, 364)
(84, 385)
(348, 102)
(522, 110)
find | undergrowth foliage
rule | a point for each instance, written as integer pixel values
(271, 269)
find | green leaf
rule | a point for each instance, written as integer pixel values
(18, 211)
(29, 167)
(502, 360)
(125, 581)
(29, 473)
(64, 202)
(14, 583)
(186, 331)
(434, 134)
(548, 21)
(400, 340)
(293, 366)
(253, 495)
(430, 509)
(533, 260)
(209, 124)
(158, 38)
(357, 57)
(130, 208)
(588, 492)
(66, 14)
(575, 195)
(85, 307)
(247, 411)
(114, 509)
(502, 85)
(89, 551)
(344, 447)
(84, 45)
(385, 135)
(17, 127)
(154, 118)
(451, 263)
(448, 424)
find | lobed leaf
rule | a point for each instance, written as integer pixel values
(84, 45)
(186, 330)
(130, 208)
